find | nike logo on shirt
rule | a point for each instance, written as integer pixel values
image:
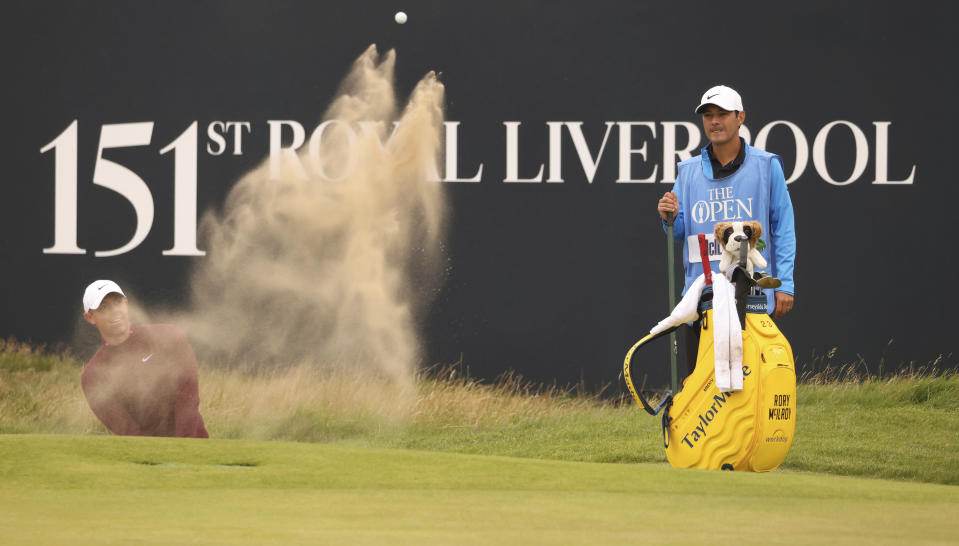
(147, 357)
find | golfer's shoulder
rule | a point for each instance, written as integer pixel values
(163, 333)
(90, 369)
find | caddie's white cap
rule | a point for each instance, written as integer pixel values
(98, 290)
(724, 97)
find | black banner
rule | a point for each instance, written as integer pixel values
(567, 121)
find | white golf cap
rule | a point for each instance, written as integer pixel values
(98, 290)
(724, 97)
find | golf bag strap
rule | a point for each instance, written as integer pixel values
(638, 395)
(668, 400)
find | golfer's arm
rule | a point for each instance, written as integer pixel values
(782, 229)
(110, 412)
(187, 410)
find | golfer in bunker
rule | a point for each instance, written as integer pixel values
(142, 381)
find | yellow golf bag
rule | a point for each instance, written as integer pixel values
(751, 429)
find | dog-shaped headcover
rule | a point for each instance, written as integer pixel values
(732, 235)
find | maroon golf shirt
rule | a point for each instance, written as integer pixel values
(147, 385)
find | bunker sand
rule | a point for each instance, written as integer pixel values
(331, 254)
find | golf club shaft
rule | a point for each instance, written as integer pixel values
(671, 287)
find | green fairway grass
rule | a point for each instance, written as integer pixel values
(121, 490)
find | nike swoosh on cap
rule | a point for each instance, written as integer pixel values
(711, 96)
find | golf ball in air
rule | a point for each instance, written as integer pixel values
(400, 17)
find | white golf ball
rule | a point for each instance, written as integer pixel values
(400, 17)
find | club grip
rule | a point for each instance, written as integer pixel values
(704, 254)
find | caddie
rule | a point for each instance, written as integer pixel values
(731, 181)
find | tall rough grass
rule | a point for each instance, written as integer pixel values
(302, 403)
(928, 384)
(449, 397)
(903, 425)
(824, 367)
(40, 392)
